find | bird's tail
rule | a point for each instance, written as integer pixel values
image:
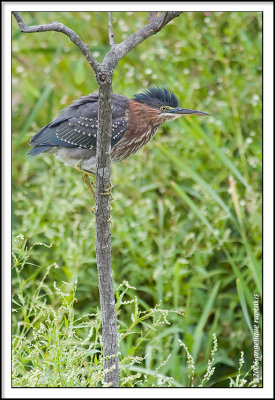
(38, 149)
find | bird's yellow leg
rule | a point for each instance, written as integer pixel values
(86, 180)
(78, 168)
(89, 185)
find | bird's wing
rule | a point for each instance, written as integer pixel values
(78, 131)
(77, 126)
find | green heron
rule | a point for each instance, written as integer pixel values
(72, 136)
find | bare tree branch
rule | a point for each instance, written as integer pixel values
(151, 15)
(120, 50)
(163, 22)
(58, 27)
(111, 33)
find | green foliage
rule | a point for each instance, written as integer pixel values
(186, 229)
(51, 347)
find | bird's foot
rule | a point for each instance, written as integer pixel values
(90, 185)
(94, 213)
(108, 192)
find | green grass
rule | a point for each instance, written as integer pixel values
(186, 229)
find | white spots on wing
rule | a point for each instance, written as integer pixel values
(81, 131)
(117, 134)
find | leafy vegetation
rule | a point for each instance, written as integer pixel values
(186, 227)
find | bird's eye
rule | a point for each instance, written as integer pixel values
(163, 108)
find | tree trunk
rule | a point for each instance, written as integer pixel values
(103, 234)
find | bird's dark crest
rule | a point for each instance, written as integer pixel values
(157, 97)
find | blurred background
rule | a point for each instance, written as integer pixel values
(187, 215)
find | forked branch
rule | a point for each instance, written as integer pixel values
(58, 27)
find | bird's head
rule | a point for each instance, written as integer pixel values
(163, 104)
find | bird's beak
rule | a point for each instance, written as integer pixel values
(182, 111)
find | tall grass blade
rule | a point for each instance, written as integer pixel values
(184, 167)
(41, 102)
(223, 157)
(198, 334)
(240, 290)
(193, 207)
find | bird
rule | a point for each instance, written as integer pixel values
(72, 136)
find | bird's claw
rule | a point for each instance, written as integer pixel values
(93, 210)
(94, 213)
(90, 185)
(108, 192)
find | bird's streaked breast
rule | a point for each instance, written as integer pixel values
(130, 145)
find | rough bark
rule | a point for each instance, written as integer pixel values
(103, 234)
